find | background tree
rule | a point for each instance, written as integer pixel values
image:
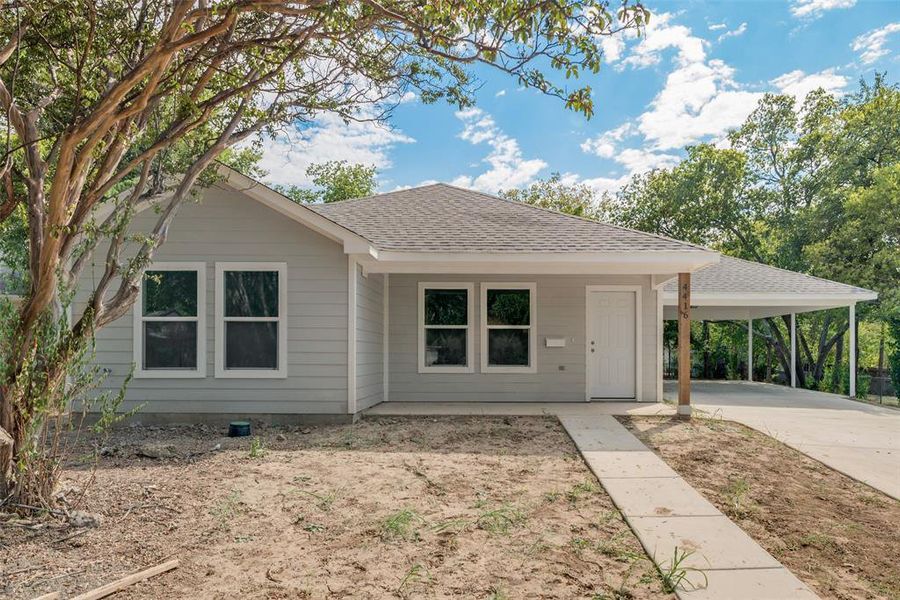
(108, 106)
(554, 194)
(336, 180)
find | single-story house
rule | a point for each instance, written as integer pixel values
(259, 306)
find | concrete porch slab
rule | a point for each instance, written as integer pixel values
(518, 408)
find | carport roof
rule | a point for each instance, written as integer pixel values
(741, 289)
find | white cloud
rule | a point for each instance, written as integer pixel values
(717, 26)
(799, 84)
(604, 145)
(814, 9)
(613, 46)
(871, 45)
(660, 36)
(699, 100)
(637, 160)
(287, 156)
(508, 168)
(742, 28)
(500, 93)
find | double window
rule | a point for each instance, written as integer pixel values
(445, 327)
(251, 328)
(169, 323)
(508, 332)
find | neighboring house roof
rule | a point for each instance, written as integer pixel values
(733, 276)
(445, 218)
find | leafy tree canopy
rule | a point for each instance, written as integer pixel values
(336, 180)
(556, 194)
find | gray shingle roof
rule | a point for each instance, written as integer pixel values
(445, 218)
(736, 276)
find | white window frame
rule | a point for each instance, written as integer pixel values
(470, 328)
(139, 320)
(282, 370)
(531, 367)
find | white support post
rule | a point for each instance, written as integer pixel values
(853, 350)
(749, 349)
(793, 350)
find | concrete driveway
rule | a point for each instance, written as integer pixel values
(860, 440)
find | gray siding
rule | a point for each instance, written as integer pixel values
(369, 339)
(560, 373)
(228, 226)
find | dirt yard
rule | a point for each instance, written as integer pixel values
(839, 536)
(389, 508)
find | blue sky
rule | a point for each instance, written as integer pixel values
(698, 71)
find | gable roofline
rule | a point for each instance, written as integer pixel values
(525, 205)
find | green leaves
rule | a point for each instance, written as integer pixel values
(337, 180)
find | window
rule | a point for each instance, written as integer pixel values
(508, 332)
(445, 327)
(169, 321)
(251, 326)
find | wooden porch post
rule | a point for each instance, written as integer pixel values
(684, 344)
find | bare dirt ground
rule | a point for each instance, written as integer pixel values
(839, 536)
(387, 508)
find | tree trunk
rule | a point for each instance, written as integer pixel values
(705, 326)
(838, 359)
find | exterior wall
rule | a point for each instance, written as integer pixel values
(228, 226)
(369, 339)
(560, 375)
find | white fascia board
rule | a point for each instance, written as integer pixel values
(763, 299)
(643, 263)
(353, 243)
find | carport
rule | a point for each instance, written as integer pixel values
(740, 290)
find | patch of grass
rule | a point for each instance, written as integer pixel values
(257, 448)
(451, 526)
(401, 525)
(615, 549)
(582, 490)
(323, 501)
(579, 543)
(501, 519)
(497, 593)
(735, 496)
(226, 508)
(417, 573)
(819, 541)
(675, 574)
(551, 497)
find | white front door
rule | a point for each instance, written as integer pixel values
(611, 344)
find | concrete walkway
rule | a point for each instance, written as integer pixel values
(857, 439)
(666, 513)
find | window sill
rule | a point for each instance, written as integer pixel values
(166, 374)
(251, 374)
(504, 369)
(426, 370)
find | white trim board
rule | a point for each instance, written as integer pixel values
(638, 339)
(352, 301)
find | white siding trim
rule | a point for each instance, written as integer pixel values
(281, 371)
(138, 336)
(385, 337)
(638, 336)
(470, 326)
(532, 327)
(351, 334)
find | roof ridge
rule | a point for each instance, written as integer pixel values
(371, 196)
(783, 270)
